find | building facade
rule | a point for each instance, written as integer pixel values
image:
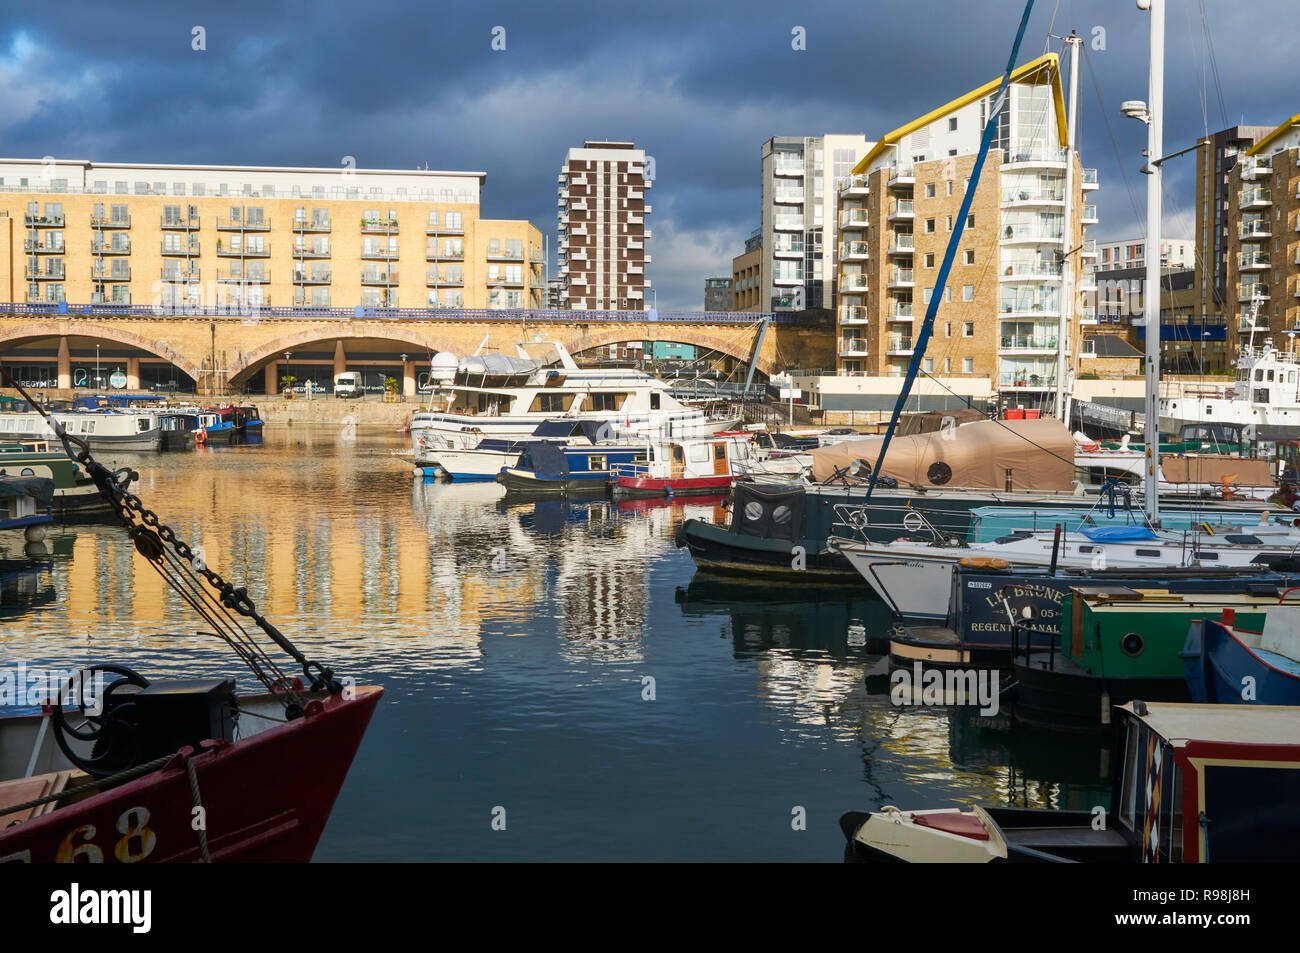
(1177, 253)
(1005, 298)
(747, 276)
(799, 229)
(1216, 155)
(1262, 215)
(249, 237)
(717, 294)
(602, 228)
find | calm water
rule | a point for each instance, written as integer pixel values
(513, 641)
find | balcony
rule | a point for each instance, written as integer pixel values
(1256, 198)
(1089, 215)
(851, 346)
(786, 167)
(307, 251)
(788, 196)
(1040, 379)
(186, 251)
(240, 277)
(901, 278)
(1025, 307)
(853, 284)
(900, 311)
(1021, 342)
(111, 248)
(316, 226)
(1029, 197)
(788, 223)
(53, 271)
(193, 274)
(636, 243)
(787, 279)
(98, 297)
(434, 254)
(1256, 261)
(36, 247)
(1089, 249)
(902, 243)
(171, 223)
(111, 274)
(236, 225)
(1258, 228)
(854, 218)
(1249, 292)
(899, 344)
(379, 226)
(1244, 319)
(853, 315)
(902, 177)
(1089, 180)
(379, 254)
(445, 230)
(1256, 167)
(48, 299)
(1031, 271)
(1035, 233)
(434, 280)
(43, 221)
(854, 185)
(578, 205)
(385, 279)
(901, 209)
(506, 255)
(1035, 156)
(635, 219)
(790, 250)
(262, 251)
(311, 277)
(581, 230)
(113, 221)
(853, 251)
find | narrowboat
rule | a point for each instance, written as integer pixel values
(1237, 660)
(1186, 791)
(681, 467)
(482, 457)
(178, 430)
(554, 468)
(127, 430)
(216, 426)
(75, 493)
(25, 505)
(249, 421)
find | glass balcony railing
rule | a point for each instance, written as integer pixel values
(1032, 270)
(1027, 342)
(900, 342)
(1033, 195)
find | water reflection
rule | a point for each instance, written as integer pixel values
(514, 638)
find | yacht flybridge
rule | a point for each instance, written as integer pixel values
(495, 396)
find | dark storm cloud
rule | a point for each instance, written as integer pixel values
(700, 87)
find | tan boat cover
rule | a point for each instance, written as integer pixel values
(1243, 471)
(976, 455)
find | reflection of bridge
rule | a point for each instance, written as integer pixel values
(224, 349)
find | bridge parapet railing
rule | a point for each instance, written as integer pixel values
(476, 315)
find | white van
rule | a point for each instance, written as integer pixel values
(347, 385)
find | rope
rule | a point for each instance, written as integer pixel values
(127, 775)
(203, 828)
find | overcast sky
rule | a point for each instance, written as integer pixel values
(699, 87)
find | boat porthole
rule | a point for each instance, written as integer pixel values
(939, 473)
(1132, 644)
(753, 510)
(781, 515)
(28, 471)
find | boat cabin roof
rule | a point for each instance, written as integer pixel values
(1180, 723)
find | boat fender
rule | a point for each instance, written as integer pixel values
(983, 562)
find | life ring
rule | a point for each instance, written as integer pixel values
(200, 436)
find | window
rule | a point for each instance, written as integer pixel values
(968, 365)
(968, 293)
(494, 246)
(970, 256)
(929, 259)
(947, 329)
(606, 401)
(970, 220)
(947, 294)
(925, 295)
(949, 183)
(929, 226)
(968, 329)
(952, 152)
(947, 365)
(952, 124)
(699, 453)
(929, 190)
(950, 223)
(929, 365)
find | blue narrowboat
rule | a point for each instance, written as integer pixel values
(1228, 665)
(568, 470)
(216, 426)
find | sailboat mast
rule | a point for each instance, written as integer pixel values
(1064, 361)
(997, 103)
(1155, 146)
